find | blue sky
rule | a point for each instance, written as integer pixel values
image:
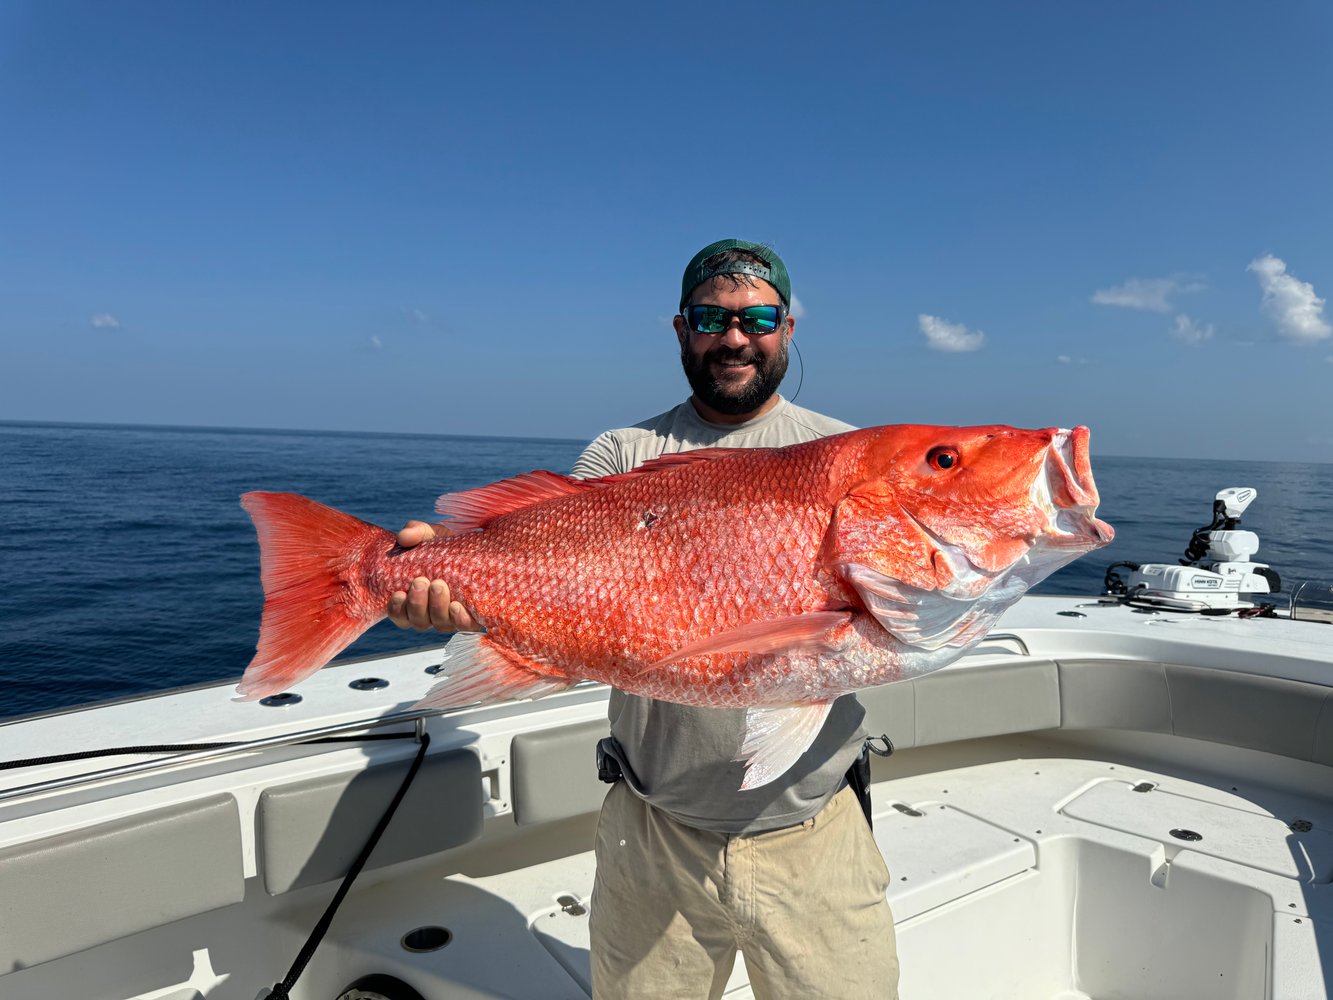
(472, 218)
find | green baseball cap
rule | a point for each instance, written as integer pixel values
(773, 271)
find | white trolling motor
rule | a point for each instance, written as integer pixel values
(1215, 576)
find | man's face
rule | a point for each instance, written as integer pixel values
(734, 372)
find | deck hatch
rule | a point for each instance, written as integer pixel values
(1243, 836)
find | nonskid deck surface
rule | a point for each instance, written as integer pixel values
(1050, 878)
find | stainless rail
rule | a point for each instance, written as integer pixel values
(417, 716)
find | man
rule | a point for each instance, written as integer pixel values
(689, 870)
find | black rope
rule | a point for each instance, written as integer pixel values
(62, 758)
(282, 990)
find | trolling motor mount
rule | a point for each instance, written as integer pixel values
(1216, 573)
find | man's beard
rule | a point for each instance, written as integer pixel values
(768, 375)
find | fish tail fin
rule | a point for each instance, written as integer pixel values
(307, 554)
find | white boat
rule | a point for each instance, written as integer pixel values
(1099, 801)
(1095, 802)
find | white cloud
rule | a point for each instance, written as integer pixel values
(797, 309)
(1066, 359)
(945, 336)
(376, 343)
(1290, 302)
(1153, 294)
(1191, 332)
(105, 321)
(418, 316)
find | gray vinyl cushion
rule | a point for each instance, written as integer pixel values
(969, 704)
(553, 772)
(1128, 694)
(311, 831)
(66, 893)
(1262, 713)
(1323, 736)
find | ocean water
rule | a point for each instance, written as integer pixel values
(127, 564)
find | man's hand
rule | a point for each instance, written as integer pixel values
(426, 604)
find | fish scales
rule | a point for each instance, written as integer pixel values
(572, 604)
(771, 579)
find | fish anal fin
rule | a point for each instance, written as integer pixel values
(478, 670)
(775, 738)
(471, 509)
(809, 630)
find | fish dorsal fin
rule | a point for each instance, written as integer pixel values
(672, 461)
(810, 630)
(471, 509)
(775, 738)
(468, 510)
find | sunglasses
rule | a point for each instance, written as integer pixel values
(755, 320)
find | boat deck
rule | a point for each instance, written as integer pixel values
(1047, 877)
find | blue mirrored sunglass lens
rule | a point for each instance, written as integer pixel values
(707, 319)
(759, 319)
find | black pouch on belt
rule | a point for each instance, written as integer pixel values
(608, 767)
(858, 775)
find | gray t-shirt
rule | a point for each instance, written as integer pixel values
(679, 757)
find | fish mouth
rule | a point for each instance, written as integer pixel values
(1067, 494)
(1064, 491)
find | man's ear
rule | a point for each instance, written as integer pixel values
(678, 322)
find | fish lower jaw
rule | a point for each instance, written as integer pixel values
(1078, 528)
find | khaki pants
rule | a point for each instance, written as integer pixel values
(805, 905)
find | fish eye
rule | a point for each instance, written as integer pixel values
(941, 459)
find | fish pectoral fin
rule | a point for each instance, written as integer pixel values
(775, 738)
(810, 630)
(922, 618)
(478, 670)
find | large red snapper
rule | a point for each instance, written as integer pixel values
(774, 579)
